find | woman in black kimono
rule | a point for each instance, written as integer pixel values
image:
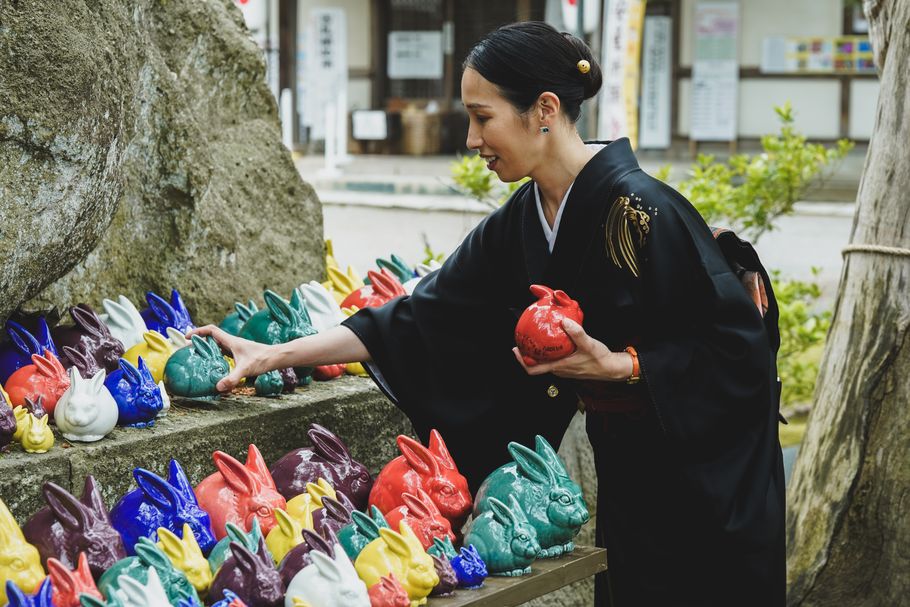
(675, 364)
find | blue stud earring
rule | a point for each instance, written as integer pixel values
(544, 130)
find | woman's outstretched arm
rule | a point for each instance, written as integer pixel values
(337, 345)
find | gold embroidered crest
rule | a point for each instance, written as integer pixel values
(627, 229)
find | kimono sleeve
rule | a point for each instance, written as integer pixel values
(706, 361)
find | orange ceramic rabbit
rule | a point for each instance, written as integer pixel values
(45, 377)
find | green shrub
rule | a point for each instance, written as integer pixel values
(472, 178)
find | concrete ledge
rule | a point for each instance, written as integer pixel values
(351, 407)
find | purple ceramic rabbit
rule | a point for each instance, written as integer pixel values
(448, 581)
(162, 314)
(161, 503)
(334, 514)
(299, 556)
(17, 353)
(87, 366)
(252, 576)
(7, 427)
(89, 336)
(328, 458)
(68, 526)
(138, 396)
(42, 598)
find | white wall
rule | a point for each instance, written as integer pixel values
(863, 103)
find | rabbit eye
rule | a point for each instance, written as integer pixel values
(523, 537)
(447, 490)
(18, 564)
(565, 500)
(263, 511)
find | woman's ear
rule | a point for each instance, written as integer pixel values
(547, 108)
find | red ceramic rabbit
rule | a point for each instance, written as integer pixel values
(238, 493)
(429, 469)
(539, 333)
(389, 593)
(424, 518)
(384, 287)
(45, 377)
(68, 585)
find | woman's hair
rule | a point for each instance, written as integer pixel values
(526, 59)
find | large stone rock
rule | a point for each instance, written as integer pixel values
(140, 149)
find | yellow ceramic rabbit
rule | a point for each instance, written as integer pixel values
(186, 556)
(299, 602)
(341, 284)
(354, 368)
(402, 555)
(20, 562)
(284, 536)
(330, 261)
(6, 397)
(38, 437)
(154, 349)
(21, 414)
(302, 507)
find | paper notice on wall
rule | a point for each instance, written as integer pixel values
(415, 55)
(715, 72)
(656, 89)
(618, 105)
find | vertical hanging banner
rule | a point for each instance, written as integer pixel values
(656, 89)
(327, 71)
(622, 32)
(570, 15)
(715, 72)
(257, 15)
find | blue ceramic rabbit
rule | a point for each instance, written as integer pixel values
(17, 353)
(469, 568)
(162, 314)
(235, 534)
(233, 322)
(552, 502)
(138, 396)
(195, 370)
(230, 600)
(148, 555)
(503, 538)
(17, 598)
(161, 503)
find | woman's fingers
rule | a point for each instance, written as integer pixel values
(231, 380)
(224, 339)
(576, 333)
(538, 369)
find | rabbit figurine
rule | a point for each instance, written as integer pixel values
(162, 314)
(22, 345)
(325, 312)
(341, 284)
(136, 394)
(86, 412)
(278, 323)
(252, 575)
(388, 593)
(230, 600)
(22, 422)
(150, 592)
(397, 266)
(45, 377)
(155, 350)
(159, 503)
(269, 384)
(177, 338)
(165, 400)
(20, 562)
(328, 458)
(233, 322)
(68, 585)
(186, 555)
(184, 322)
(148, 555)
(68, 526)
(8, 426)
(90, 337)
(38, 437)
(300, 556)
(421, 270)
(448, 581)
(328, 582)
(334, 514)
(400, 554)
(87, 366)
(442, 547)
(195, 370)
(123, 321)
(383, 287)
(284, 536)
(222, 549)
(42, 598)
(469, 568)
(422, 515)
(552, 502)
(238, 493)
(504, 538)
(430, 469)
(362, 530)
(306, 504)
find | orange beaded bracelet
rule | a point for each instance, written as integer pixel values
(636, 372)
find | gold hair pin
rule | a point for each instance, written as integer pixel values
(584, 66)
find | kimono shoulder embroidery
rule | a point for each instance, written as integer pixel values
(627, 230)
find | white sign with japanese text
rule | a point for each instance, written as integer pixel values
(715, 72)
(327, 69)
(656, 89)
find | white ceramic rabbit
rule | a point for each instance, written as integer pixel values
(165, 400)
(132, 593)
(422, 270)
(177, 338)
(328, 582)
(124, 321)
(324, 310)
(86, 412)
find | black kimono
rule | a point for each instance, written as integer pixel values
(691, 490)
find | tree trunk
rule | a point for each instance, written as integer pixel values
(848, 527)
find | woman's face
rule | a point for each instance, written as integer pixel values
(496, 130)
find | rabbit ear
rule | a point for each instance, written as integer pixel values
(235, 474)
(83, 571)
(86, 318)
(44, 336)
(171, 544)
(75, 377)
(287, 524)
(244, 558)
(200, 346)
(316, 542)
(235, 533)
(63, 579)
(15, 596)
(150, 554)
(415, 506)
(561, 298)
(44, 365)
(117, 314)
(255, 463)
(516, 509)
(8, 524)
(328, 445)
(378, 517)
(177, 302)
(144, 374)
(245, 312)
(298, 303)
(97, 382)
(158, 491)
(326, 566)
(161, 308)
(175, 339)
(365, 525)
(130, 373)
(541, 291)
(319, 490)
(334, 509)
(87, 600)
(501, 513)
(91, 497)
(75, 356)
(66, 508)
(178, 480)
(546, 451)
(531, 465)
(24, 341)
(156, 341)
(279, 310)
(439, 449)
(418, 456)
(395, 542)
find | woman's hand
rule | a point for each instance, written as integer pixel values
(591, 359)
(250, 358)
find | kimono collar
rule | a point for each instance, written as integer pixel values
(582, 218)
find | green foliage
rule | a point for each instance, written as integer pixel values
(429, 253)
(749, 192)
(472, 178)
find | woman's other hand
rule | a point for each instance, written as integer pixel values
(591, 359)
(250, 358)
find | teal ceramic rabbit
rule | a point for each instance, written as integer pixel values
(195, 370)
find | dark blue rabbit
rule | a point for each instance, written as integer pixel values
(17, 352)
(138, 396)
(17, 598)
(469, 568)
(158, 503)
(162, 314)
